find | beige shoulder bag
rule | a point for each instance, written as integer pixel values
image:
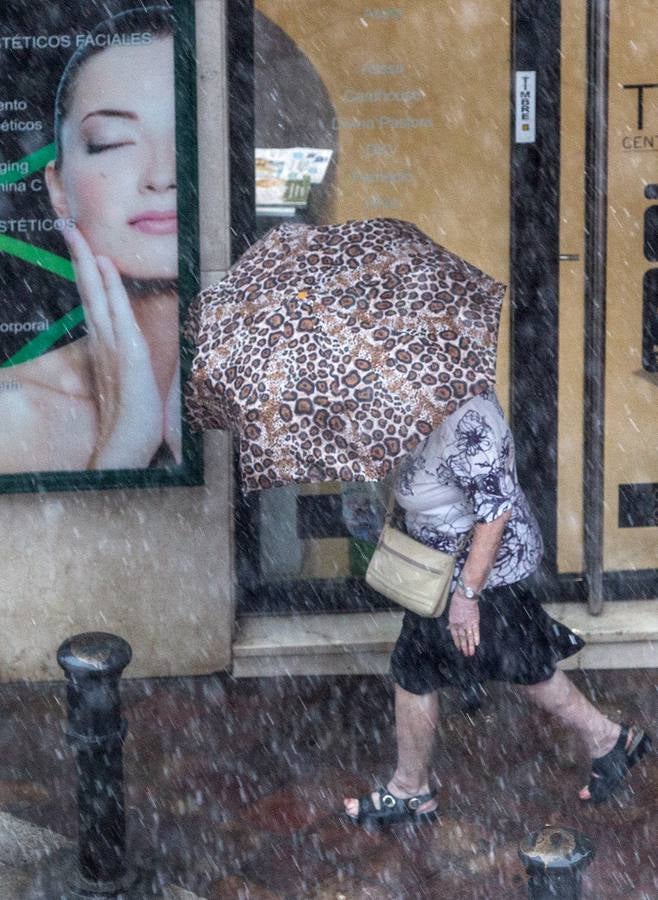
(410, 573)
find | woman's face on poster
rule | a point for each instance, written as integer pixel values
(118, 174)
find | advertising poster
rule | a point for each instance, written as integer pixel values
(91, 198)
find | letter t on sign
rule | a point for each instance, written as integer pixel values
(640, 88)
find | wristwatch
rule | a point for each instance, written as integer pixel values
(467, 591)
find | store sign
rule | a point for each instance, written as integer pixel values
(525, 88)
(90, 196)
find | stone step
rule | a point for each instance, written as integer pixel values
(624, 636)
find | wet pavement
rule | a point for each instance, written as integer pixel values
(233, 788)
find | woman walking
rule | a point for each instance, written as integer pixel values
(461, 481)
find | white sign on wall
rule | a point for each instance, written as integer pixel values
(525, 105)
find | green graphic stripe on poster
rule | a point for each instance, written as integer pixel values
(39, 257)
(29, 164)
(58, 266)
(44, 341)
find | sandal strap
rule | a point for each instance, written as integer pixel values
(620, 753)
(622, 740)
(411, 804)
(392, 809)
(629, 737)
(609, 771)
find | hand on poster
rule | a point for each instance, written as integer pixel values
(130, 419)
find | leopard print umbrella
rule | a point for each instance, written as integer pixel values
(332, 350)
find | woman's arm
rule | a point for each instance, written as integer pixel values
(464, 614)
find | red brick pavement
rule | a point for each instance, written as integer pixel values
(233, 788)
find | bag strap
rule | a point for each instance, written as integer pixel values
(391, 504)
(390, 501)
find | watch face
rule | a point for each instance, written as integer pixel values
(469, 593)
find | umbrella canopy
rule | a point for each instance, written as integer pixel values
(332, 350)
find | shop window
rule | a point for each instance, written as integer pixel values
(363, 112)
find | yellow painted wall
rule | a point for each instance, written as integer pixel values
(437, 154)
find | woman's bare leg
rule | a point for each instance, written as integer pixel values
(416, 718)
(561, 698)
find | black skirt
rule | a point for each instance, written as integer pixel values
(519, 643)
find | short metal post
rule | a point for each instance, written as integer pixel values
(554, 859)
(93, 664)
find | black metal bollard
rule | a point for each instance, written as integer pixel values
(93, 664)
(554, 859)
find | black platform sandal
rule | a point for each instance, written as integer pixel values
(393, 810)
(609, 771)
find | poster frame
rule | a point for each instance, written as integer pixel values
(190, 471)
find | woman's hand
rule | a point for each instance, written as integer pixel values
(464, 623)
(464, 614)
(129, 407)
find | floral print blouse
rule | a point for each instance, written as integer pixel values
(464, 473)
